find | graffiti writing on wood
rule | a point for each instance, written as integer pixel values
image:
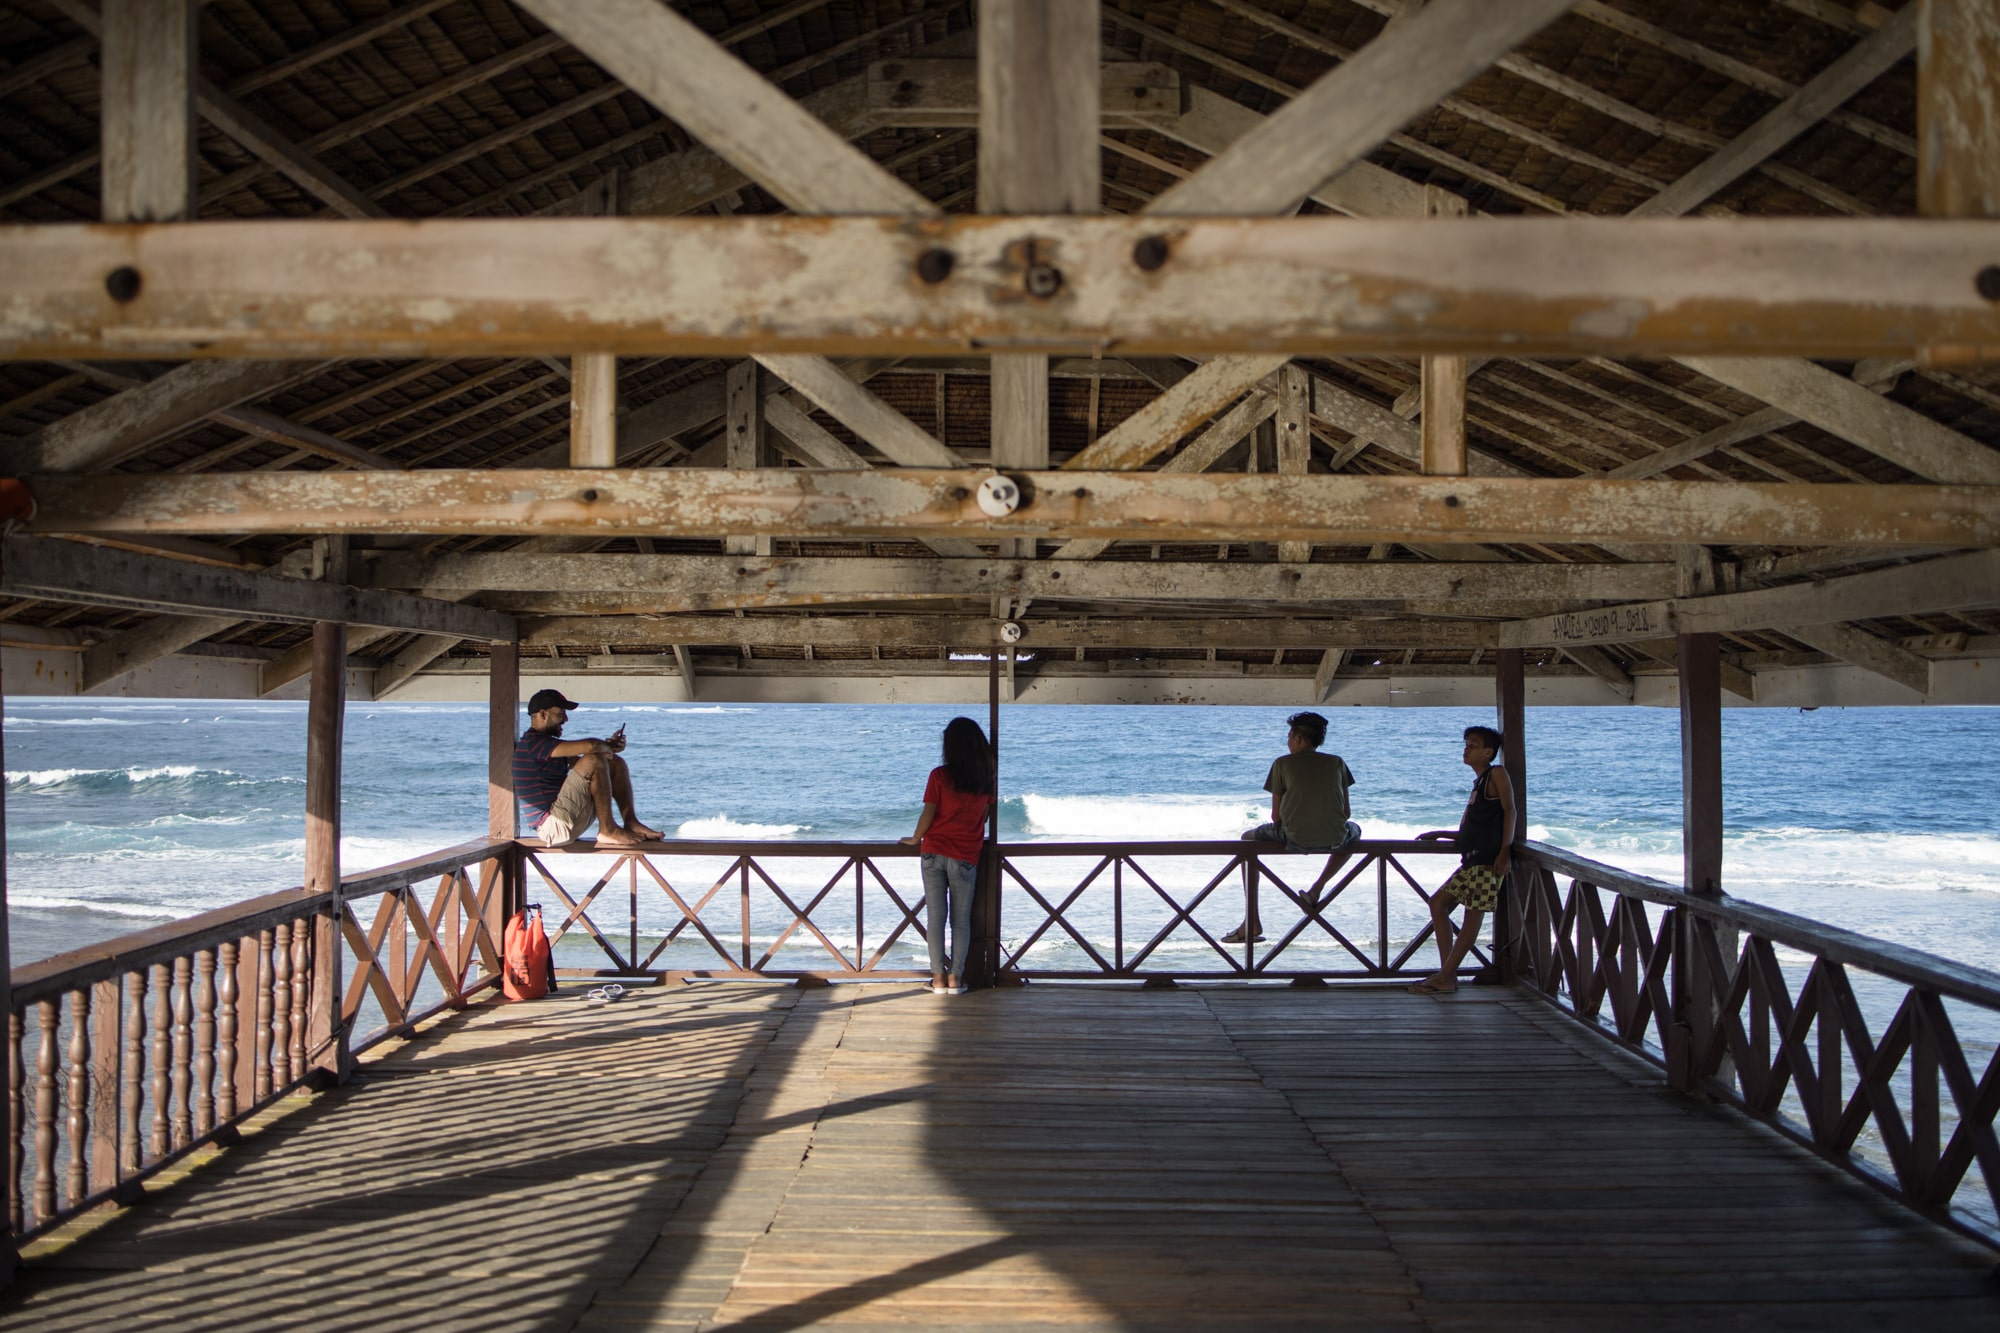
(1612, 622)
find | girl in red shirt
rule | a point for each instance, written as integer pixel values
(950, 831)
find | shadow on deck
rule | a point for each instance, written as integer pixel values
(764, 1157)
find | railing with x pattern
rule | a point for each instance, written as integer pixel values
(1127, 910)
(1853, 1046)
(149, 1046)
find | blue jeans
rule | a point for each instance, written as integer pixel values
(943, 876)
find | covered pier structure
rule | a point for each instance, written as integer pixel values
(1256, 351)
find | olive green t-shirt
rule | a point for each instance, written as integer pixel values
(1312, 796)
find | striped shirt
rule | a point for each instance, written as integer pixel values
(537, 775)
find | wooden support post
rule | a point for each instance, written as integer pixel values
(1510, 703)
(1700, 673)
(744, 442)
(593, 410)
(148, 110)
(1958, 119)
(8, 1257)
(503, 706)
(985, 962)
(1294, 441)
(326, 1035)
(1444, 416)
(1039, 107)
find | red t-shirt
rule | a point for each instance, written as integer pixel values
(959, 825)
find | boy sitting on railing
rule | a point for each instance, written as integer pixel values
(1485, 833)
(1308, 810)
(565, 786)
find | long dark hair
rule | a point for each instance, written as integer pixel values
(968, 759)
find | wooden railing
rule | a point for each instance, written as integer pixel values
(740, 905)
(126, 1056)
(1844, 1043)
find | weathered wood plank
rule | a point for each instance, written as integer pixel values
(733, 286)
(1354, 108)
(148, 125)
(677, 67)
(712, 582)
(100, 576)
(695, 502)
(983, 631)
(1958, 123)
(1947, 584)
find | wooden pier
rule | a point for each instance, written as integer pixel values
(722, 1155)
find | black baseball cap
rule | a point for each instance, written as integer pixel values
(550, 699)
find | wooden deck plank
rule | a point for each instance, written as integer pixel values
(720, 1156)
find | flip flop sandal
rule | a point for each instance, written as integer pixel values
(607, 994)
(1425, 988)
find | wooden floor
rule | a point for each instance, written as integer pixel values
(762, 1157)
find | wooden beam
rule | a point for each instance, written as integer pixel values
(115, 429)
(1328, 671)
(743, 435)
(1865, 62)
(1154, 428)
(933, 92)
(906, 631)
(685, 661)
(397, 671)
(1038, 128)
(1122, 506)
(1355, 107)
(1864, 650)
(721, 582)
(1601, 665)
(1294, 441)
(1202, 453)
(297, 661)
(269, 426)
(720, 100)
(159, 637)
(851, 404)
(148, 125)
(1952, 583)
(593, 410)
(1842, 407)
(99, 576)
(1524, 287)
(1443, 432)
(1958, 124)
(326, 716)
(308, 172)
(817, 445)
(1039, 90)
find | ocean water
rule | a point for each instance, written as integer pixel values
(125, 813)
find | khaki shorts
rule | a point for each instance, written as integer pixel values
(572, 814)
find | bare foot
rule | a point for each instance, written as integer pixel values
(645, 831)
(617, 838)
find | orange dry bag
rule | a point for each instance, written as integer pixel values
(527, 973)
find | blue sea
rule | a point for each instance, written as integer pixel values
(125, 813)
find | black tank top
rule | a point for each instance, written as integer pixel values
(1480, 827)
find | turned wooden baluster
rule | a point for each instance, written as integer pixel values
(45, 1112)
(279, 1053)
(134, 1071)
(266, 1014)
(301, 994)
(17, 1118)
(183, 1118)
(225, 1032)
(79, 1096)
(162, 1056)
(204, 1041)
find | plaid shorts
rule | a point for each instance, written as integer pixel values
(1475, 886)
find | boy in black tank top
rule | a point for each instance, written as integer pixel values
(1485, 833)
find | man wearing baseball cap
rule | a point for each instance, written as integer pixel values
(565, 786)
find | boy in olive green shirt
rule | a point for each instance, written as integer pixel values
(1309, 809)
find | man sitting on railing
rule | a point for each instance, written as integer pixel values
(1308, 810)
(1485, 833)
(565, 786)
